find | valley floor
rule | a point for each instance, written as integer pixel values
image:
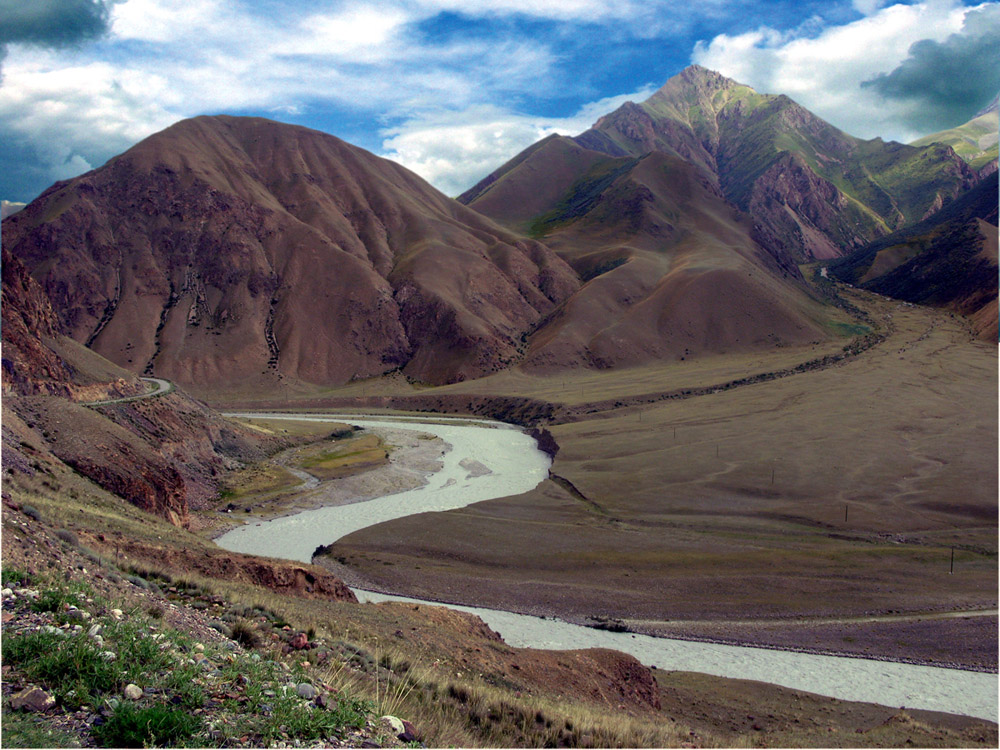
(786, 513)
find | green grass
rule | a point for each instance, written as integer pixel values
(20, 730)
(149, 726)
(71, 665)
(13, 577)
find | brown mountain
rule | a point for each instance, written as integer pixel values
(670, 267)
(948, 260)
(813, 191)
(229, 251)
(162, 454)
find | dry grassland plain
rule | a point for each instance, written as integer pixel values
(817, 511)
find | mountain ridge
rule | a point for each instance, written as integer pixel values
(249, 233)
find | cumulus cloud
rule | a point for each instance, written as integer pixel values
(950, 80)
(824, 72)
(454, 150)
(52, 23)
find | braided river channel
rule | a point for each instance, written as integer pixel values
(482, 460)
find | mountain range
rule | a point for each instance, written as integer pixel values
(228, 253)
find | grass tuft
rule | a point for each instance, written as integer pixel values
(150, 726)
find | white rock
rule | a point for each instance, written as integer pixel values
(133, 692)
(109, 655)
(94, 629)
(396, 725)
(117, 614)
(7, 592)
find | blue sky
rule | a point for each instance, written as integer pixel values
(453, 88)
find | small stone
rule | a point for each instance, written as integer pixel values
(117, 614)
(32, 699)
(299, 641)
(98, 640)
(109, 655)
(409, 733)
(199, 647)
(133, 692)
(306, 691)
(7, 592)
(94, 629)
(396, 725)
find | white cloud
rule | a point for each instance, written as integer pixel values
(454, 150)
(824, 73)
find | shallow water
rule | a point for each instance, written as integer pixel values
(516, 465)
(886, 683)
(484, 460)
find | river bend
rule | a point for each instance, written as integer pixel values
(515, 465)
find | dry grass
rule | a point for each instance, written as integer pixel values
(326, 461)
(732, 505)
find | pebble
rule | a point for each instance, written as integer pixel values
(109, 655)
(94, 629)
(117, 614)
(305, 690)
(199, 647)
(133, 692)
(7, 592)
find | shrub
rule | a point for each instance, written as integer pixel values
(155, 611)
(31, 512)
(11, 576)
(244, 633)
(152, 726)
(69, 537)
(52, 600)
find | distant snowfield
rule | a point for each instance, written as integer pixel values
(515, 465)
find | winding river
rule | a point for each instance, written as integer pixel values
(490, 459)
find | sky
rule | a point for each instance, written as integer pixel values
(453, 88)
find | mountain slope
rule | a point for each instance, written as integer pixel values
(975, 141)
(948, 260)
(670, 267)
(229, 252)
(812, 190)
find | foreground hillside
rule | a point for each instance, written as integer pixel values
(236, 662)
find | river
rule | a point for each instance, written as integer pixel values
(490, 459)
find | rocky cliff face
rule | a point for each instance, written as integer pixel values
(232, 251)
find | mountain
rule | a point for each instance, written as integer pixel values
(670, 267)
(975, 141)
(812, 190)
(233, 252)
(948, 260)
(164, 455)
(37, 358)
